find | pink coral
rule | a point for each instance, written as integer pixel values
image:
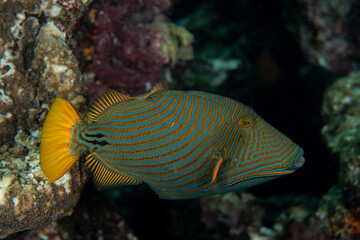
(241, 214)
(130, 36)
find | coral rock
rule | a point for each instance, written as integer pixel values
(90, 220)
(36, 65)
(242, 215)
(27, 199)
(134, 46)
(341, 111)
(328, 32)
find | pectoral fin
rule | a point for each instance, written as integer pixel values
(216, 169)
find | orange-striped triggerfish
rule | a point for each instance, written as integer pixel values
(183, 144)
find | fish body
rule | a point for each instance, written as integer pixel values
(183, 144)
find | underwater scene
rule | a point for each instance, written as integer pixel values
(180, 119)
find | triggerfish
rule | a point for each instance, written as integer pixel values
(183, 144)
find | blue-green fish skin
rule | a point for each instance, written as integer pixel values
(183, 144)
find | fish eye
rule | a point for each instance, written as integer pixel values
(245, 122)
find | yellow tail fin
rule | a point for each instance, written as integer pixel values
(55, 157)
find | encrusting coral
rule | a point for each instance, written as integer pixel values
(95, 218)
(341, 110)
(27, 198)
(36, 65)
(242, 215)
(134, 46)
(327, 31)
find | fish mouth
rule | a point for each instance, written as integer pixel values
(298, 161)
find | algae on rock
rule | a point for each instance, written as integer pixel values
(341, 111)
(36, 65)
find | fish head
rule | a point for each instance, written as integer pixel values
(263, 153)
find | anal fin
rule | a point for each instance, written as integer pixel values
(104, 177)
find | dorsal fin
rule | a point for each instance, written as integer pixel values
(104, 177)
(205, 94)
(104, 102)
(158, 87)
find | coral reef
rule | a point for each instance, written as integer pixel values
(297, 219)
(21, 87)
(245, 216)
(135, 45)
(27, 198)
(341, 111)
(240, 214)
(94, 219)
(216, 53)
(327, 32)
(211, 73)
(243, 50)
(336, 220)
(36, 65)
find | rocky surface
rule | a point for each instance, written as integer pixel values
(134, 46)
(93, 219)
(27, 199)
(31, 31)
(341, 111)
(327, 32)
(38, 63)
(36, 66)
